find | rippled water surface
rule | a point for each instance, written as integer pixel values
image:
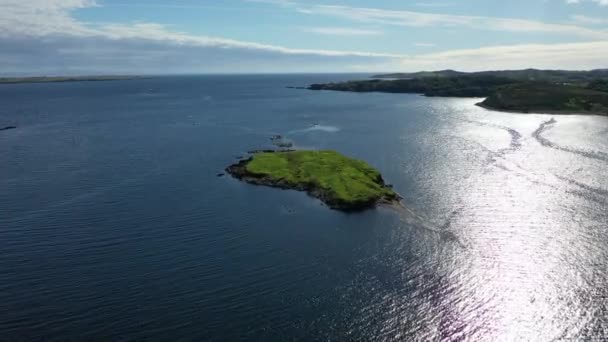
(114, 223)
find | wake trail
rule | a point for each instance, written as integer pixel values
(516, 137)
(547, 125)
(316, 128)
(589, 188)
(409, 216)
(530, 175)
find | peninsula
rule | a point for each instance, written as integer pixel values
(547, 98)
(51, 79)
(550, 91)
(342, 183)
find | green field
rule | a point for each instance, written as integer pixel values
(339, 181)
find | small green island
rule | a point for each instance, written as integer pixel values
(522, 91)
(342, 183)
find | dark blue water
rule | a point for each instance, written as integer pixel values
(114, 224)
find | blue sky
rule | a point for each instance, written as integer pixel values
(249, 36)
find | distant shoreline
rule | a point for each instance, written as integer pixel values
(518, 93)
(540, 112)
(58, 79)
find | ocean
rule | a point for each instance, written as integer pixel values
(114, 223)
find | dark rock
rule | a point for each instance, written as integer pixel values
(7, 128)
(284, 144)
(221, 174)
(261, 151)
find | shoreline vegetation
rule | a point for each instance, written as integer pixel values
(53, 79)
(342, 183)
(520, 91)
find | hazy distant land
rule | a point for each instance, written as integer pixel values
(50, 79)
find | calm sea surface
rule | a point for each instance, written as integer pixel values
(114, 224)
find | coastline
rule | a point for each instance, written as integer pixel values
(62, 79)
(549, 112)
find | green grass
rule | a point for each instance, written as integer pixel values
(342, 180)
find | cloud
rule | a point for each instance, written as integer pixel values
(432, 4)
(42, 17)
(424, 44)
(599, 2)
(423, 19)
(97, 54)
(589, 55)
(585, 20)
(43, 37)
(284, 3)
(342, 31)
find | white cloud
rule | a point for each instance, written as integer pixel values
(283, 3)
(599, 2)
(342, 31)
(422, 19)
(585, 20)
(43, 37)
(433, 4)
(41, 17)
(590, 55)
(424, 44)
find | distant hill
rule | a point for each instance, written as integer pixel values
(457, 86)
(422, 74)
(565, 76)
(545, 97)
(523, 91)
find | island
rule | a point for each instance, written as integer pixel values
(52, 79)
(523, 91)
(342, 183)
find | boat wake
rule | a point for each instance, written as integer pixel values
(515, 143)
(547, 125)
(415, 220)
(316, 128)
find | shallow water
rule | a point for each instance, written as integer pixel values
(113, 222)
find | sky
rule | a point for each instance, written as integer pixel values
(70, 37)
